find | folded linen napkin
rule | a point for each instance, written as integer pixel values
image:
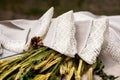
(61, 35)
(18, 27)
(23, 32)
(111, 44)
(95, 32)
(107, 54)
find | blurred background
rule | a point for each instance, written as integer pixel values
(33, 9)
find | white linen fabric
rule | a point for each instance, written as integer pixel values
(22, 43)
(107, 54)
(110, 53)
(92, 48)
(61, 35)
(82, 33)
(111, 44)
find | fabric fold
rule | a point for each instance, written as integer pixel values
(112, 45)
(41, 26)
(110, 53)
(21, 41)
(61, 35)
(95, 40)
(82, 32)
